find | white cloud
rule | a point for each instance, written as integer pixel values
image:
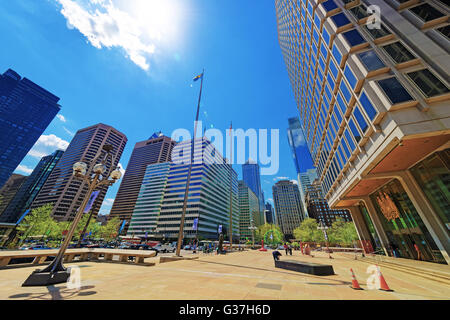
(46, 145)
(134, 26)
(280, 178)
(270, 200)
(108, 202)
(24, 169)
(294, 181)
(61, 117)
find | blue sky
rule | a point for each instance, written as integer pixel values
(130, 65)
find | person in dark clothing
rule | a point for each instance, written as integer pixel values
(286, 248)
(290, 250)
(276, 255)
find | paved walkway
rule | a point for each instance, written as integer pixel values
(238, 276)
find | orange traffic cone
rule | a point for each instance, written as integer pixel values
(355, 284)
(383, 285)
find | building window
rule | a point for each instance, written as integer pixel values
(326, 36)
(367, 106)
(394, 90)
(350, 77)
(428, 83)
(354, 130)
(370, 60)
(337, 54)
(426, 12)
(359, 12)
(378, 33)
(353, 37)
(445, 31)
(360, 119)
(345, 91)
(329, 5)
(398, 52)
(349, 140)
(340, 20)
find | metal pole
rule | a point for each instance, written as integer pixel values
(231, 189)
(186, 193)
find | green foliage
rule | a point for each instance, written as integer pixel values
(342, 233)
(308, 232)
(38, 223)
(264, 231)
(109, 231)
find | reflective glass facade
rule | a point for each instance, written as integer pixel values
(26, 110)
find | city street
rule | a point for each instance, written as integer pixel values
(240, 275)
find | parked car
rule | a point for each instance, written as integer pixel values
(164, 248)
(188, 247)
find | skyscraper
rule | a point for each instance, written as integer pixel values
(297, 142)
(10, 188)
(318, 207)
(62, 188)
(30, 188)
(160, 199)
(288, 207)
(305, 179)
(252, 177)
(26, 110)
(373, 97)
(269, 214)
(249, 211)
(156, 149)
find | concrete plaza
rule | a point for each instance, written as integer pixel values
(237, 276)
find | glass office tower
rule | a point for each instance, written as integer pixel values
(30, 188)
(26, 110)
(252, 177)
(373, 104)
(249, 211)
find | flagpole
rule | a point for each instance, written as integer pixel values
(183, 214)
(231, 188)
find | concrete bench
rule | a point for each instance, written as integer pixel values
(84, 254)
(305, 267)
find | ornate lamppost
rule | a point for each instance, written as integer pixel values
(324, 229)
(95, 176)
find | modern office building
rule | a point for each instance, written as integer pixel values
(10, 188)
(373, 102)
(305, 179)
(161, 196)
(67, 192)
(269, 214)
(252, 177)
(318, 207)
(30, 188)
(288, 207)
(249, 211)
(26, 110)
(156, 149)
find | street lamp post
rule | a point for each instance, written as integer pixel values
(324, 229)
(96, 176)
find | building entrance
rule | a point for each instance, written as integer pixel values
(407, 234)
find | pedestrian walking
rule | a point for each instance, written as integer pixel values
(286, 248)
(419, 255)
(290, 250)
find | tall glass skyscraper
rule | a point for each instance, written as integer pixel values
(26, 110)
(250, 214)
(30, 188)
(62, 188)
(159, 202)
(373, 98)
(252, 177)
(297, 142)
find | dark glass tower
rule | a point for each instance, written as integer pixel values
(10, 188)
(26, 110)
(251, 176)
(300, 151)
(30, 188)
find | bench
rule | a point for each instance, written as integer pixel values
(84, 254)
(305, 267)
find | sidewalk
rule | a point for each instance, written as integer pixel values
(238, 276)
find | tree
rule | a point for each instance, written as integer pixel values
(308, 232)
(343, 233)
(38, 222)
(109, 231)
(270, 233)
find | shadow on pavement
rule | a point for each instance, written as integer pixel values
(56, 293)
